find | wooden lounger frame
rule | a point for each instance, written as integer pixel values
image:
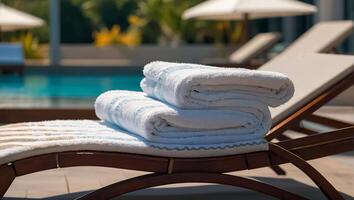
(292, 122)
(176, 170)
(166, 170)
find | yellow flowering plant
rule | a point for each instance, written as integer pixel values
(131, 37)
(30, 45)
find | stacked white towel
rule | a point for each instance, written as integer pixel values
(196, 86)
(197, 105)
(159, 122)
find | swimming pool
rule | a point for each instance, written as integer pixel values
(36, 88)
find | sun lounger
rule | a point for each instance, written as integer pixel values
(254, 48)
(94, 144)
(314, 76)
(258, 45)
(11, 58)
(318, 78)
(168, 167)
(321, 38)
(304, 56)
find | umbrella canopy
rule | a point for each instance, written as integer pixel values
(252, 9)
(12, 19)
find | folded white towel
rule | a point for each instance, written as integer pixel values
(196, 86)
(159, 122)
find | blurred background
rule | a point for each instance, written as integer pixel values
(86, 25)
(73, 50)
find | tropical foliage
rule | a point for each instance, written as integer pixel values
(132, 36)
(30, 45)
(129, 22)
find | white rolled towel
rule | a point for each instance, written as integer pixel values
(159, 122)
(196, 86)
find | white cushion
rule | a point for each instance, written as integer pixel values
(18, 141)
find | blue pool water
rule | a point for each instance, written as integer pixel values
(88, 86)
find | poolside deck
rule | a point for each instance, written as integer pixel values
(71, 182)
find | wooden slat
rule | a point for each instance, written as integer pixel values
(35, 164)
(328, 149)
(328, 121)
(217, 164)
(304, 130)
(115, 160)
(319, 151)
(318, 138)
(283, 137)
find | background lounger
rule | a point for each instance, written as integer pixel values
(321, 38)
(258, 45)
(11, 57)
(255, 47)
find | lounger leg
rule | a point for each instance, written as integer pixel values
(7, 175)
(152, 180)
(325, 186)
(278, 170)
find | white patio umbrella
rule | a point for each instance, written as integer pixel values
(12, 19)
(247, 9)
